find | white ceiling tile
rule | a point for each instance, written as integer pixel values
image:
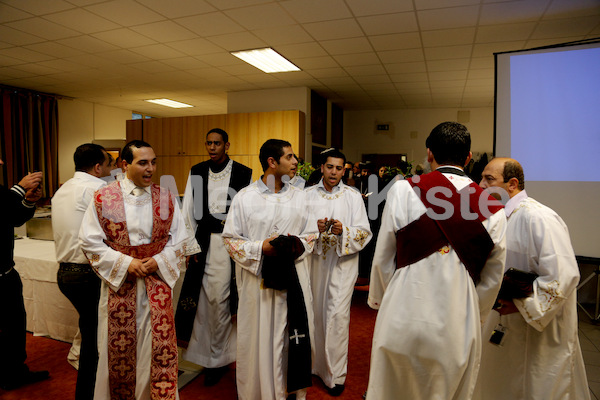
(182, 8)
(241, 69)
(8, 13)
(488, 49)
(339, 29)
(389, 23)
(123, 56)
(87, 44)
(124, 38)
(506, 32)
(211, 24)
(427, 4)
(237, 41)
(374, 7)
(447, 75)
(283, 35)
(42, 28)
(329, 73)
(261, 16)
(36, 69)
(572, 8)
(348, 60)
(446, 18)
(347, 46)
(301, 50)
(396, 41)
(82, 20)
(448, 52)
(305, 11)
(373, 79)
(61, 65)
(512, 12)
(185, 63)
(16, 37)
(448, 37)
(53, 49)
(402, 68)
(565, 27)
(152, 67)
(157, 51)
(401, 56)
(362, 70)
(409, 77)
(229, 4)
(315, 62)
(6, 60)
(448, 65)
(195, 47)
(481, 73)
(164, 31)
(125, 12)
(482, 62)
(530, 44)
(219, 59)
(26, 55)
(36, 7)
(443, 85)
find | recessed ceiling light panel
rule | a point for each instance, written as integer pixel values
(267, 60)
(169, 103)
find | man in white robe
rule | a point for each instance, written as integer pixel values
(427, 339)
(204, 314)
(260, 213)
(343, 232)
(539, 356)
(132, 210)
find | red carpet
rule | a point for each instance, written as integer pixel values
(44, 353)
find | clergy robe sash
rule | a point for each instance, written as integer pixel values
(122, 339)
(467, 237)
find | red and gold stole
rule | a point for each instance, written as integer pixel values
(468, 237)
(122, 340)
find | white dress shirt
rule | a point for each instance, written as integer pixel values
(68, 206)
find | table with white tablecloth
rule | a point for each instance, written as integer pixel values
(49, 312)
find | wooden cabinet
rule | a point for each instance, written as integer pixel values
(179, 141)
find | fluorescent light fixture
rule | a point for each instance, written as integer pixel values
(169, 103)
(267, 60)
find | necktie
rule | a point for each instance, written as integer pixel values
(137, 191)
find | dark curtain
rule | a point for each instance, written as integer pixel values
(29, 137)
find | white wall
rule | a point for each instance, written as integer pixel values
(409, 129)
(82, 122)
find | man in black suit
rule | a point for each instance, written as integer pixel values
(18, 206)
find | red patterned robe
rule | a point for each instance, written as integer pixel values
(136, 341)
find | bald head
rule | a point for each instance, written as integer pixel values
(505, 173)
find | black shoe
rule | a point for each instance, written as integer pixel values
(336, 390)
(214, 375)
(28, 378)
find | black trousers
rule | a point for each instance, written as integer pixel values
(81, 286)
(12, 328)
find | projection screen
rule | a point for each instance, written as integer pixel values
(547, 116)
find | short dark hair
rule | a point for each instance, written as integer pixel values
(127, 153)
(332, 152)
(88, 155)
(514, 170)
(221, 132)
(271, 148)
(450, 143)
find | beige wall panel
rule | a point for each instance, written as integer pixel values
(172, 136)
(153, 134)
(237, 128)
(194, 135)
